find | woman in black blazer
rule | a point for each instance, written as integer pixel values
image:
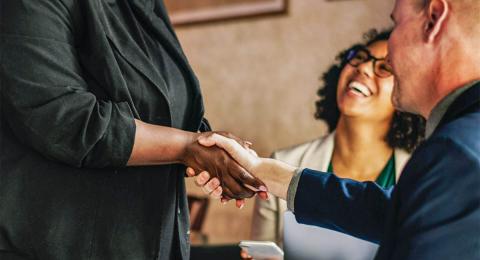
(88, 88)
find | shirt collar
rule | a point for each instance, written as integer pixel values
(441, 108)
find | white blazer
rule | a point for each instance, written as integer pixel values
(267, 222)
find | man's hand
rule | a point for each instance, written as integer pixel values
(276, 174)
(157, 145)
(244, 157)
(236, 182)
(209, 183)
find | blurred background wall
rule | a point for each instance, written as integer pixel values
(260, 75)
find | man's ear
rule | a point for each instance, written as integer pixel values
(437, 12)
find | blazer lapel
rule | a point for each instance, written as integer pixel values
(319, 154)
(160, 18)
(129, 50)
(154, 15)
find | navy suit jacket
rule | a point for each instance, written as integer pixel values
(434, 210)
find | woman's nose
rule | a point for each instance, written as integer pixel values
(366, 68)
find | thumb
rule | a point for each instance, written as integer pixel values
(206, 141)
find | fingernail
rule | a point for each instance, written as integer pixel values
(262, 188)
(241, 206)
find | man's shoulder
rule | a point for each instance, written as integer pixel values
(459, 138)
(463, 132)
(461, 122)
(438, 191)
(452, 151)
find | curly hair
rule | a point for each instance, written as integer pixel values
(406, 129)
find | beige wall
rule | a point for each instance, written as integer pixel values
(260, 76)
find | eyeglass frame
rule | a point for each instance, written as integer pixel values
(352, 53)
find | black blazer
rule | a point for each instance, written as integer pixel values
(72, 81)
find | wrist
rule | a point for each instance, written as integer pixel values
(277, 175)
(189, 139)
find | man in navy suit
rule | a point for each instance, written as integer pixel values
(434, 211)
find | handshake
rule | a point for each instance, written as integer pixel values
(227, 168)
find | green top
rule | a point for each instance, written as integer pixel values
(386, 179)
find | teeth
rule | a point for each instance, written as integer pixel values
(360, 88)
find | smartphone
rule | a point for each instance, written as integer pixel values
(262, 250)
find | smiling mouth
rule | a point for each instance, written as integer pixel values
(360, 88)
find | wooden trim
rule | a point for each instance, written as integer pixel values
(228, 12)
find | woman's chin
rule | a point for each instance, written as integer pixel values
(350, 109)
(354, 105)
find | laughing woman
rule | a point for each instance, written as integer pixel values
(368, 141)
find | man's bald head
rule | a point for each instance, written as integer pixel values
(424, 3)
(468, 12)
(433, 50)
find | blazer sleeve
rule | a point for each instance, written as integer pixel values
(45, 99)
(348, 206)
(439, 209)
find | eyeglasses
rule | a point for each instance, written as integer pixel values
(361, 55)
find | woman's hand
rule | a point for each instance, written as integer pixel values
(244, 255)
(235, 180)
(241, 153)
(155, 145)
(276, 174)
(211, 186)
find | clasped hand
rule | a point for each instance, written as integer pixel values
(228, 162)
